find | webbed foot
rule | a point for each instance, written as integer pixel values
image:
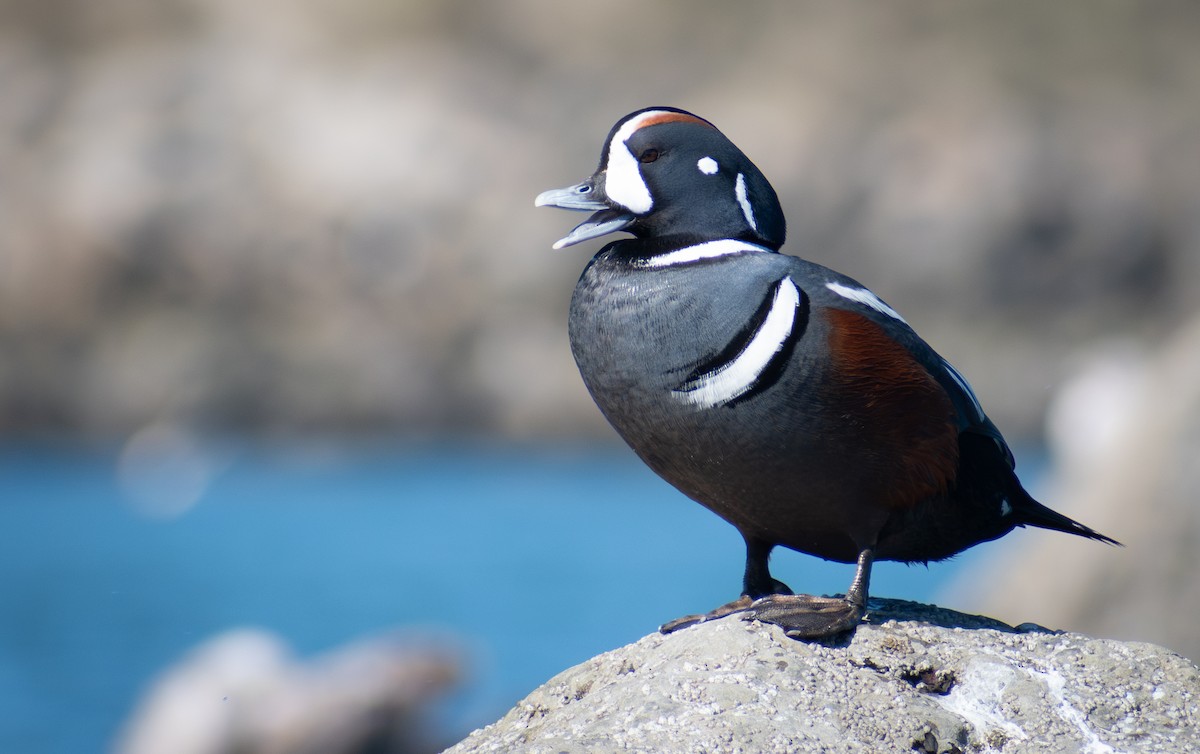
(804, 616)
(801, 616)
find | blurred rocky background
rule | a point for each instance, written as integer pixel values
(275, 219)
(279, 217)
(244, 691)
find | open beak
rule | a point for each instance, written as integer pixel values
(586, 197)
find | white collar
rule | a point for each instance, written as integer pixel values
(708, 250)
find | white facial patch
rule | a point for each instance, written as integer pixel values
(623, 181)
(708, 166)
(865, 297)
(708, 250)
(737, 377)
(739, 190)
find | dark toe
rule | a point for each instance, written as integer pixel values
(729, 608)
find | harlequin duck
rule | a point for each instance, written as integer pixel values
(785, 397)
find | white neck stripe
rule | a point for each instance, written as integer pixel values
(723, 384)
(708, 250)
(743, 199)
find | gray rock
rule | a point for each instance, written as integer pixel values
(918, 678)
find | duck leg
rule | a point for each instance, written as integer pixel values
(803, 616)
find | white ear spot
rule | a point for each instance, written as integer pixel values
(739, 190)
(708, 166)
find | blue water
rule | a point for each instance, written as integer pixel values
(529, 559)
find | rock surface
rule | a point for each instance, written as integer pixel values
(918, 678)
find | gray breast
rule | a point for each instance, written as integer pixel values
(643, 337)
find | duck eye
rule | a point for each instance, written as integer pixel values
(650, 155)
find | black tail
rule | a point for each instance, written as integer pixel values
(1029, 512)
(985, 466)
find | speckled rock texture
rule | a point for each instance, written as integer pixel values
(917, 678)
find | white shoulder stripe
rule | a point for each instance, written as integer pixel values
(730, 380)
(865, 297)
(707, 250)
(966, 388)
